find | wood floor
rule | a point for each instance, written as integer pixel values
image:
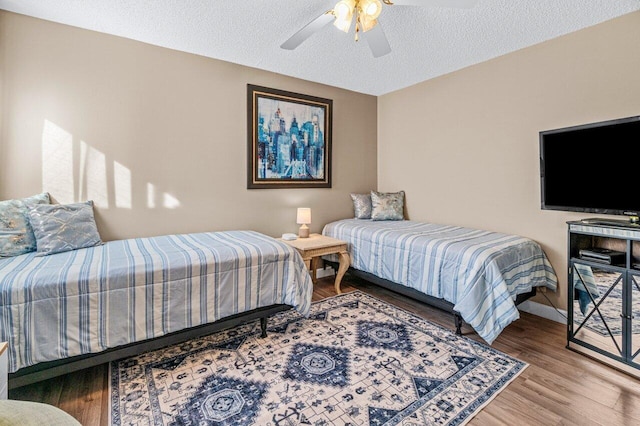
(560, 387)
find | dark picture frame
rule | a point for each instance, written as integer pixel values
(289, 139)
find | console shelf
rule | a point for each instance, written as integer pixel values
(604, 293)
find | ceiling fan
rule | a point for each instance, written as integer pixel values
(366, 14)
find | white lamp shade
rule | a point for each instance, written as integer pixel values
(304, 216)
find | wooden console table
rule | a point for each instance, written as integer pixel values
(317, 245)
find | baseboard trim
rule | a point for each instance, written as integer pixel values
(325, 272)
(544, 311)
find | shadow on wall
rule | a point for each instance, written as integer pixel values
(87, 178)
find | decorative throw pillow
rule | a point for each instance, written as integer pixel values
(387, 205)
(362, 205)
(64, 227)
(16, 235)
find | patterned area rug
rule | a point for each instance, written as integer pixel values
(611, 307)
(355, 361)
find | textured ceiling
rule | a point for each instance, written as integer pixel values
(426, 42)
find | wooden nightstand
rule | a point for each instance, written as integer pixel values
(317, 245)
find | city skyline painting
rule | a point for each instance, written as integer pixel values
(289, 139)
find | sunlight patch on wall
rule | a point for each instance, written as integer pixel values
(57, 163)
(151, 196)
(169, 201)
(93, 182)
(95, 174)
(83, 167)
(122, 183)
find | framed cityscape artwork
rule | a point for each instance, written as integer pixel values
(289, 137)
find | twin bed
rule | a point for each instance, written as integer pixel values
(478, 275)
(57, 310)
(79, 308)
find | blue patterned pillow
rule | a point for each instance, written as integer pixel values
(16, 235)
(362, 205)
(64, 227)
(387, 205)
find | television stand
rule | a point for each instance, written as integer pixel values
(603, 297)
(612, 222)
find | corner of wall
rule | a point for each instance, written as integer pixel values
(2, 100)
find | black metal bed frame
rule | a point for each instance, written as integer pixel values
(418, 295)
(50, 369)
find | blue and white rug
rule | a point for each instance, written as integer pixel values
(356, 360)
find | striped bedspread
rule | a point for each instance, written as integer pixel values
(480, 272)
(89, 300)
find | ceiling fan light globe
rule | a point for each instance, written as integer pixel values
(342, 25)
(343, 10)
(370, 8)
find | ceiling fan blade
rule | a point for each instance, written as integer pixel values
(307, 31)
(377, 41)
(460, 4)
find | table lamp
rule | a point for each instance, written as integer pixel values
(304, 218)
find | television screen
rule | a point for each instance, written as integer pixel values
(592, 168)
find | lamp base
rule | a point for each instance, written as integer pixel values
(303, 232)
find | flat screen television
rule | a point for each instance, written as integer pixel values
(592, 168)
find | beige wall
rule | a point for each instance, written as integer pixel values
(464, 147)
(125, 111)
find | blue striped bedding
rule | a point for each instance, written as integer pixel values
(479, 272)
(88, 300)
